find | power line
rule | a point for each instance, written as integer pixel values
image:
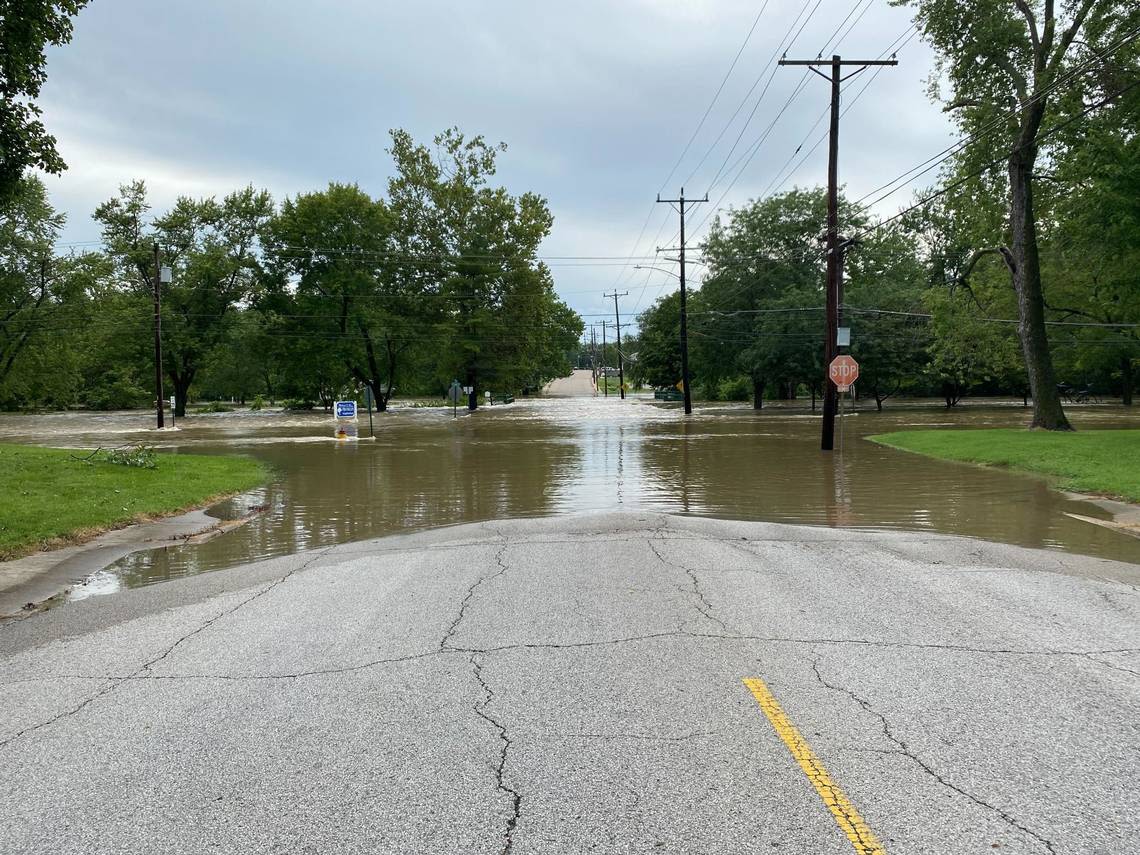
(716, 95)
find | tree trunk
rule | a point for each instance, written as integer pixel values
(473, 395)
(181, 392)
(1025, 267)
(1126, 379)
(757, 394)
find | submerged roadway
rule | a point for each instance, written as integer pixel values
(598, 683)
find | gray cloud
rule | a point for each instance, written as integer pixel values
(595, 99)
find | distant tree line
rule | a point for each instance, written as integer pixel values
(917, 328)
(325, 294)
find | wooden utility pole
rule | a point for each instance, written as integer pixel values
(681, 203)
(835, 246)
(617, 326)
(158, 339)
(605, 377)
(594, 355)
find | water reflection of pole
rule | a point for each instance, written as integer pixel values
(605, 375)
(685, 466)
(621, 442)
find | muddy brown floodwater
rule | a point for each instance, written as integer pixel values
(552, 456)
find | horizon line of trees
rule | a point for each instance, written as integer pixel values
(756, 322)
(327, 293)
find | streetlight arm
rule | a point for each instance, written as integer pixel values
(658, 269)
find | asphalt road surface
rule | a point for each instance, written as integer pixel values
(580, 384)
(602, 683)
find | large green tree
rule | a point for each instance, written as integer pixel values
(212, 248)
(473, 249)
(1005, 65)
(26, 27)
(1091, 251)
(659, 343)
(760, 254)
(29, 272)
(346, 297)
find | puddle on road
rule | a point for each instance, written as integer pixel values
(546, 457)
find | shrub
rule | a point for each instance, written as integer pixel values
(258, 403)
(216, 407)
(120, 394)
(297, 405)
(734, 389)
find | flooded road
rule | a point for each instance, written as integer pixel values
(552, 456)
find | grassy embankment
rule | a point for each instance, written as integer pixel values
(1102, 462)
(48, 498)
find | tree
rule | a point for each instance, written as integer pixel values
(1092, 247)
(29, 273)
(659, 343)
(211, 247)
(766, 250)
(883, 294)
(25, 28)
(350, 299)
(967, 348)
(1003, 63)
(473, 250)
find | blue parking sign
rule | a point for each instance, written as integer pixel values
(346, 409)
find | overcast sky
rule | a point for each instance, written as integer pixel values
(596, 101)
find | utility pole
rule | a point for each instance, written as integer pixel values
(158, 339)
(605, 377)
(617, 326)
(835, 247)
(594, 355)
(680, 203)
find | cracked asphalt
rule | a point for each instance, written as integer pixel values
(574, 685)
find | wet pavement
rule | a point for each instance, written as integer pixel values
(548, 457)
(634, 683)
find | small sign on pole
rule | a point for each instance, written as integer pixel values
(345, 409)
(843, 337)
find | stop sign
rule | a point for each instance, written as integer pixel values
(843, 371)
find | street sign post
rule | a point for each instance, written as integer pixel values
(345, 414)
(843, 371)
(453, 394)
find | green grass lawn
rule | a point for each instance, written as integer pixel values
(1104, 462)
(48, 498)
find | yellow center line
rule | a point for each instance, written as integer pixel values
(846, 816)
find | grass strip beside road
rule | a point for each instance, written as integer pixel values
(48, 498)
(1101, 462)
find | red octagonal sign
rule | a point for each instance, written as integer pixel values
(843, 372)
